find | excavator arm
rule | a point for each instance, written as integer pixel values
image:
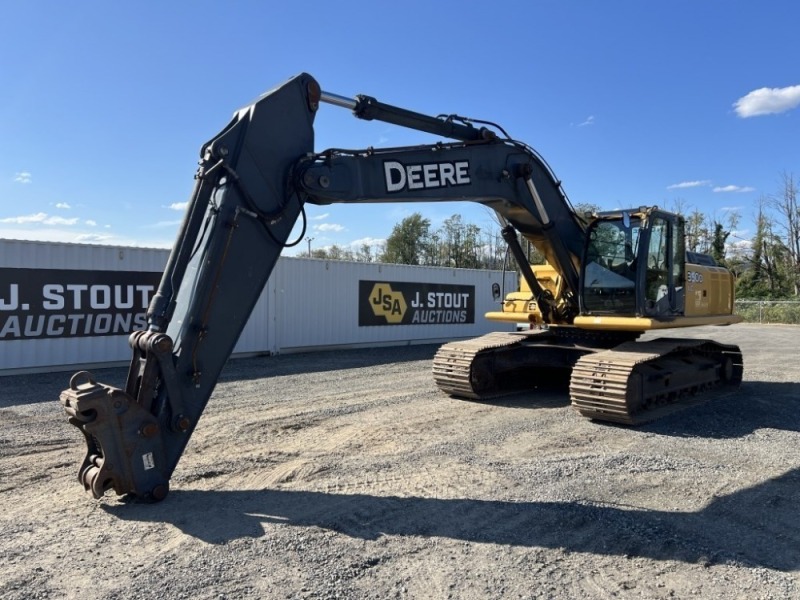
(499, 174)
(253, 180)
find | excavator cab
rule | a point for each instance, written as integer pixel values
(634, 265)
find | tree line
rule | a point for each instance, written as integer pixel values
(766, 265)
(457, 243)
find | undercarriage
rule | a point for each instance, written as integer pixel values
(610, 376)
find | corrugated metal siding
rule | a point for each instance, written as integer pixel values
(316, 303)
(24, 354)
(254, 337)
(48, 255)
(307, 303)
(17, 354)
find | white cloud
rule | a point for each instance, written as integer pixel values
(35, 218)
(742, 244)
(369, 241)
(768, 101)
(63, 205)
(588, 121)
(329, 227)
(93, 238)
(688, 184)
(40, 218)
(37, 233)
(161, 224)
(320, 217)
(22, 177)
(90, 223)
(59, 221)
(734, 188)
(178, 205)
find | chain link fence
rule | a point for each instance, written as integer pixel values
(768, 311)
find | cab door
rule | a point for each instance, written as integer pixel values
(663, 259)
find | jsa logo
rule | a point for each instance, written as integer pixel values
(400, 177)
(387, 303)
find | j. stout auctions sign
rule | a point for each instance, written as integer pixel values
(405, 303)
(51, 303)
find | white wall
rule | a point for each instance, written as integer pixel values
(316, 303)
(307, 304)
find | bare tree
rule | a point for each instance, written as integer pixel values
(765, 274)
(365, 253)
(787, 226)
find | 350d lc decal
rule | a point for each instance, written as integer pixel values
(407, 303)
(694, 277)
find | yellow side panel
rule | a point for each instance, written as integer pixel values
(510, 317)
(708, 291)
(519, 307)
(604, 323)
(708, 294)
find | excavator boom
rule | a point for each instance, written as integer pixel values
(238, 220)
(253, 180)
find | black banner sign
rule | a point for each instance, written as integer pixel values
(406, 303)
(55, 303)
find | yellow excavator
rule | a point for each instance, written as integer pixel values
(635, 276)
(609, 277)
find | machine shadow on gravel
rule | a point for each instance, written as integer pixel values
(537, 388)
(33, 388)
(320, 361)
(756, 405)
(756, 526)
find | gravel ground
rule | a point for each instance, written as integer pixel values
(349, 475)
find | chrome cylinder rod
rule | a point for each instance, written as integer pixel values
(338, 100)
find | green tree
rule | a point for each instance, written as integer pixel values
(333, 252)
(766, 274)
(462, 245)
(697, 234)
(365, 253)
(407, 243)
(718, 240)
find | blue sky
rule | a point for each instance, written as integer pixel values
(105, 105)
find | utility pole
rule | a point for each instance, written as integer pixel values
(309, 240)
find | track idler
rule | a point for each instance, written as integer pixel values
(124, 446)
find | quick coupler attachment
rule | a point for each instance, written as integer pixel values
(124, 445)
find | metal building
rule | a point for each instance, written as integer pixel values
(67, 305)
